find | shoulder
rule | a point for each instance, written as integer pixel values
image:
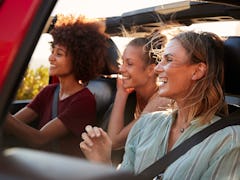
(50, 87)
(157, 103)
(85, 94)
(230, 134)
(154, 117)
(222, 141)
(47, 91)
(82, 97)
(152, 121)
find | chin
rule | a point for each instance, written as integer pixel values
(126, 85)
(163, 94)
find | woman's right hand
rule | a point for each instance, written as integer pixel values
(121, 89)
(96, 145)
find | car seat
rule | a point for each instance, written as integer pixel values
(104, 87)
(232, 68)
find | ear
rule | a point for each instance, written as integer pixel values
(200, 71)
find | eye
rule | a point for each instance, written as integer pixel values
(168, 59)
(129, 64)
(59, 54)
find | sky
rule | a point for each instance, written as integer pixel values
(102, 8)
(91, 9)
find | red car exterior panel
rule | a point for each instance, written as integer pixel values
(15, 19)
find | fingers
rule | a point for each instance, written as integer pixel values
(96, 145)
(91, 136)
(88, 141)
(94, 135)
(92, 131)
(104, 134)
(119, 83)
(129, 90)
(84, 147)
(106, 137)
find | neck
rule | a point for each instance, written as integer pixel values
(68, 87)
(144, 95)
(181, 122)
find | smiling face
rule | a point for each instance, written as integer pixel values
(60, 62)
(135, 72)
(175, 72)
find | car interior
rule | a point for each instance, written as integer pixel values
(26, 163)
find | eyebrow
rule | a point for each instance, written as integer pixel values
(60, 49)
(168, 55)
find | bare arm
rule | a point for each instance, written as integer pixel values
(25, 115)
(116, 130)
(32, 136)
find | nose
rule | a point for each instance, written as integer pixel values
(121, 68)
(158, 68)
(51, 57)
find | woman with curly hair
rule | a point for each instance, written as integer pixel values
(79, 48)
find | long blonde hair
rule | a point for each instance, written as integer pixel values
(206, 98)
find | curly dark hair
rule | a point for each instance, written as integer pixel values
(86, 43)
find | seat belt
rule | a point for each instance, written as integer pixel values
(160, 165)
(55, 144)
(55, 102)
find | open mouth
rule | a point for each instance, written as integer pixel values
(120, 76)
(52, 66)
(161, 81)
(125, 77)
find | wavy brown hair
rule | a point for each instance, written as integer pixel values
(142, 42)
(207, 97)
(85, 42)
(150, 44)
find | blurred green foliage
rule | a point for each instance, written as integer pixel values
(33, 81)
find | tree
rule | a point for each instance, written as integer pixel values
(33, 81)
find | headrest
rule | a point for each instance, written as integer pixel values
(112, 61)
(232, 65)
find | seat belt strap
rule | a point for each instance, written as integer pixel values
(55, 143)
(55, 102)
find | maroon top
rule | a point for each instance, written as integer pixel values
(75, 112)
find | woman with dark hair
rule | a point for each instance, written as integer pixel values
(191, 72)
(79, 49)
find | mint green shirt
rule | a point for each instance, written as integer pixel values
(217, 157)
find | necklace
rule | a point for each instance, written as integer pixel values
(182, 130)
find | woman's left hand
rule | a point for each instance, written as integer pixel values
(96, 145)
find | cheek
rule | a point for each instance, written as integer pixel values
(68, 65)
(140, 75)
(178, 76)
(181, 82)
